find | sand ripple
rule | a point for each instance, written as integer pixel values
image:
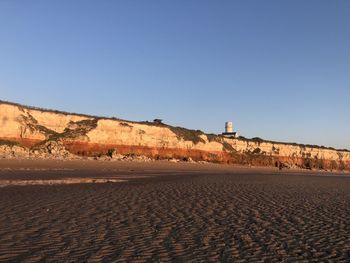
(185, 218)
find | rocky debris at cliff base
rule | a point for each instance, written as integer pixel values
(117, 156)
(49, 150)
(185, 160)
(52, 149)
(188, 159)
(137, 158)
(13, 151)
(114, 156)
(284, 166)
(142, 158)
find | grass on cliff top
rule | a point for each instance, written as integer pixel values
(22, 106)
(260, 140)
(58, 111)
(181, 133)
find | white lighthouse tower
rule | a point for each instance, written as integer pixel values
(228, 127)
(229, 130)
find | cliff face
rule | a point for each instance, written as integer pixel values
(91, 136)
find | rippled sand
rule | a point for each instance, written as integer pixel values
(173, 212)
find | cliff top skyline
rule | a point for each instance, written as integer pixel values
(277, 70)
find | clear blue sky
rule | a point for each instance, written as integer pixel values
(279, 70)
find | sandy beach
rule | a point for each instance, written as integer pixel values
(170, 212)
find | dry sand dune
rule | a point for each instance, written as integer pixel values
(176, 213)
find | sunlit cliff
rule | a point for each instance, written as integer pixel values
(31, 129)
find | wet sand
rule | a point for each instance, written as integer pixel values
(164, 212)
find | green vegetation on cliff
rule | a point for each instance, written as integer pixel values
(8, 143)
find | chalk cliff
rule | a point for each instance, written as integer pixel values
(31, 130)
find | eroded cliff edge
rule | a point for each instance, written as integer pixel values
(27, 130)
